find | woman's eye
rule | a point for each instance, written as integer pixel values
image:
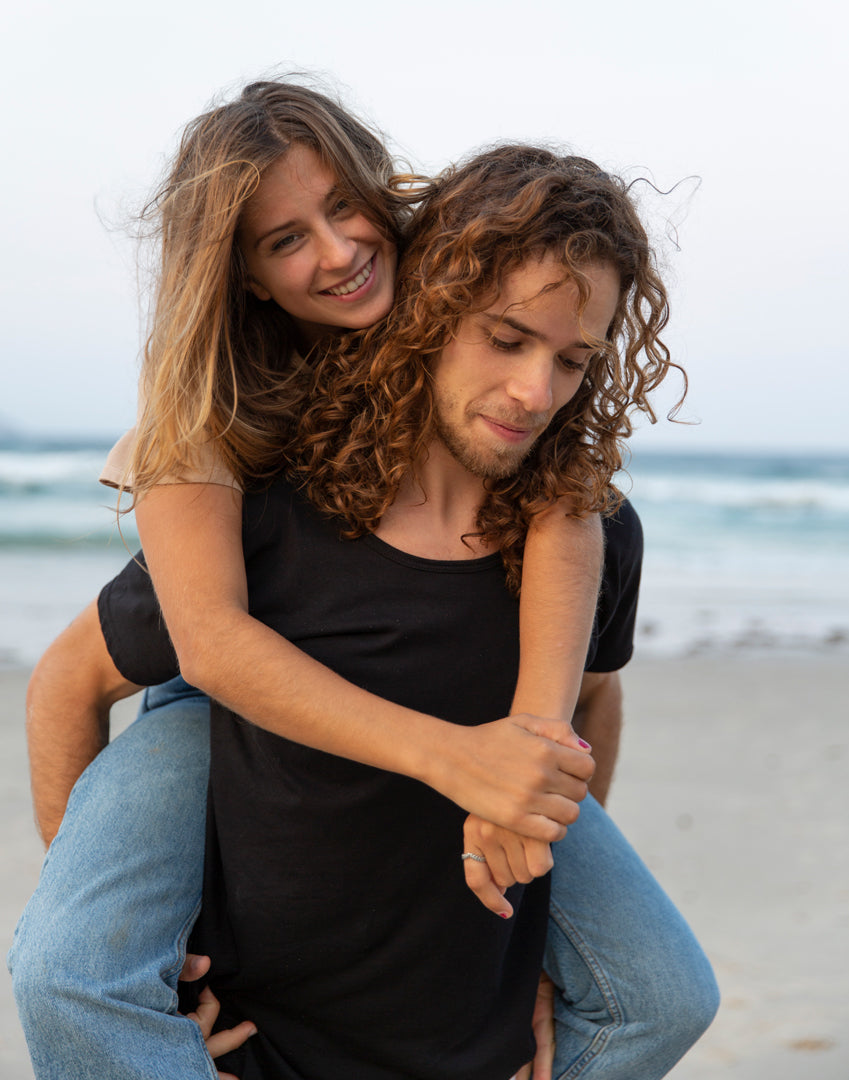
(284, 242)
(342, 207)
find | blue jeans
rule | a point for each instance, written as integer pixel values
(635, 989)
(98, 949)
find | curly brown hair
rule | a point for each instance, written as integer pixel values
(368, 413)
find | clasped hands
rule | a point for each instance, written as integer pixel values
(549, 773)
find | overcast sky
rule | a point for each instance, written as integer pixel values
(750, 97)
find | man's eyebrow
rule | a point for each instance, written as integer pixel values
(528, 331)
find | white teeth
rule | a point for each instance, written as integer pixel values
(354, 283)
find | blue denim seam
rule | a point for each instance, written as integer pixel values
(601, 1038)
(182, 941)
(197, 1035)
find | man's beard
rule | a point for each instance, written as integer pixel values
(485, 462)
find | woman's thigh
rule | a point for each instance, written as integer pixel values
(100, 945)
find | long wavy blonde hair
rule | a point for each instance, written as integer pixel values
(368, 414)
(217, 360)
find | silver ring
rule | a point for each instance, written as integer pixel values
(471, 855)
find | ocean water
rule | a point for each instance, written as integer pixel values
(744, 553)
(60, 540)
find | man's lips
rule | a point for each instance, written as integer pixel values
(509, 431)
(362, 277)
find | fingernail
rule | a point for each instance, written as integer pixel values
(504, 914)
(585, 745)
(252, 1031)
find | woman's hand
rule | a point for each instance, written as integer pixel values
(509, 858)
(222, 1042)
(523, 772)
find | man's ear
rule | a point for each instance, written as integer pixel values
(259, 291)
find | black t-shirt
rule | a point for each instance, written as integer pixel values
(138, 641)
(335, 906)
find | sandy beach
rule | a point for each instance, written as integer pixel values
(733, 784)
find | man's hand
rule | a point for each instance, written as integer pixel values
(525, 773)
(543, 1025)
(222, 1042)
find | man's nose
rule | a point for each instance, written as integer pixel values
(531, 384)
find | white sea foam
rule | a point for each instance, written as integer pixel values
(28, 470)
(747, 555)
(747, 494)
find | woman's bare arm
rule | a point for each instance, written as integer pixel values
(561, 572)
(523, 772)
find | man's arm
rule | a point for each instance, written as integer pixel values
(598, 720)
(69, 696)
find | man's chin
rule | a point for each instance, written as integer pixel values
(486, 462)
(497, 467)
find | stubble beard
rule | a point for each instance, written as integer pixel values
(496, 462)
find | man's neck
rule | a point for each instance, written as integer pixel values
(435, 508)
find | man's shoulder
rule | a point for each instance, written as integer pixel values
(265, 498)
(623, 532)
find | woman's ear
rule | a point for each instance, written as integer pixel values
(259, 291)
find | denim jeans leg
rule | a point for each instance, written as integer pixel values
(635, 989)
(99, 947)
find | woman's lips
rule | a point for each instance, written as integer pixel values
(354, 284)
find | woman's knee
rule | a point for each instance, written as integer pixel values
(672, 1009)
(46, 966)
(685, 1000)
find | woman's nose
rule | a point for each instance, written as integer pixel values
(337, 250)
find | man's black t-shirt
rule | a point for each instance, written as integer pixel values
(335, 905)
(141, 649)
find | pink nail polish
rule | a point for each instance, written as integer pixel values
(504, 914)
(585, 745)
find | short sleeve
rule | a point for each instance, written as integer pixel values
(612, 643)
(133, 627)
(205, 467)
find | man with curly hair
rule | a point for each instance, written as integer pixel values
(335, 908)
